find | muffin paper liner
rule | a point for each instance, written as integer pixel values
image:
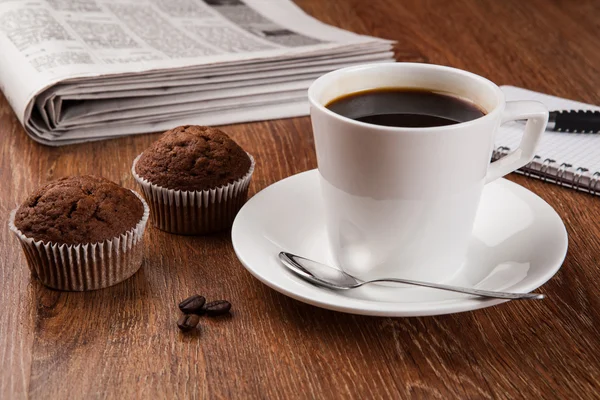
(195, 212)
(87, 266)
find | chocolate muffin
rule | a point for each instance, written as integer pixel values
(79, 209)
(81, 233)
(195, 178)
(193, 158)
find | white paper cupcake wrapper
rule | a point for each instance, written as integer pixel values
(87, 266)
(195, 212)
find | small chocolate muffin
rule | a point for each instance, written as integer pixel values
(193, 158)
(79, 209)
(81, 233)
(195, 179)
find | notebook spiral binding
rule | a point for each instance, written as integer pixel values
(565, 174)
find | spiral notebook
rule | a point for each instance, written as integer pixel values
(567, 159)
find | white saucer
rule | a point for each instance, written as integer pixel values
(518, 243)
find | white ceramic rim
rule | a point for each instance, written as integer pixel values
(321, 82)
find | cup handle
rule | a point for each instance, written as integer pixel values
(536, 115)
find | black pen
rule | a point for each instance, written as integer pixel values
(574, 121)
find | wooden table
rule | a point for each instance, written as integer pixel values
(122, 342)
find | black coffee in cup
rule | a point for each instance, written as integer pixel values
(405, 107)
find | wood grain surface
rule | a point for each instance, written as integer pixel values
(122, 342)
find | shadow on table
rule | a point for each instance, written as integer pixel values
(453, 334)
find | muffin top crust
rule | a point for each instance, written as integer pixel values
(79, 210)
(192, 158)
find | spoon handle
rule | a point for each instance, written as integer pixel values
(458, 289)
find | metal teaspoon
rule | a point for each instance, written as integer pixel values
(333, 278)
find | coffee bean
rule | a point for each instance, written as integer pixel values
(187, 322)
(192, 305)
(217, 307)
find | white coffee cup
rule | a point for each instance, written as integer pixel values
(401, 202)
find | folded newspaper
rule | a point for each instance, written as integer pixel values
(80, 70)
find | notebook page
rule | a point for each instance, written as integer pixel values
(577, 149)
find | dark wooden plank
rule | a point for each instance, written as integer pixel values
(122, 342)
